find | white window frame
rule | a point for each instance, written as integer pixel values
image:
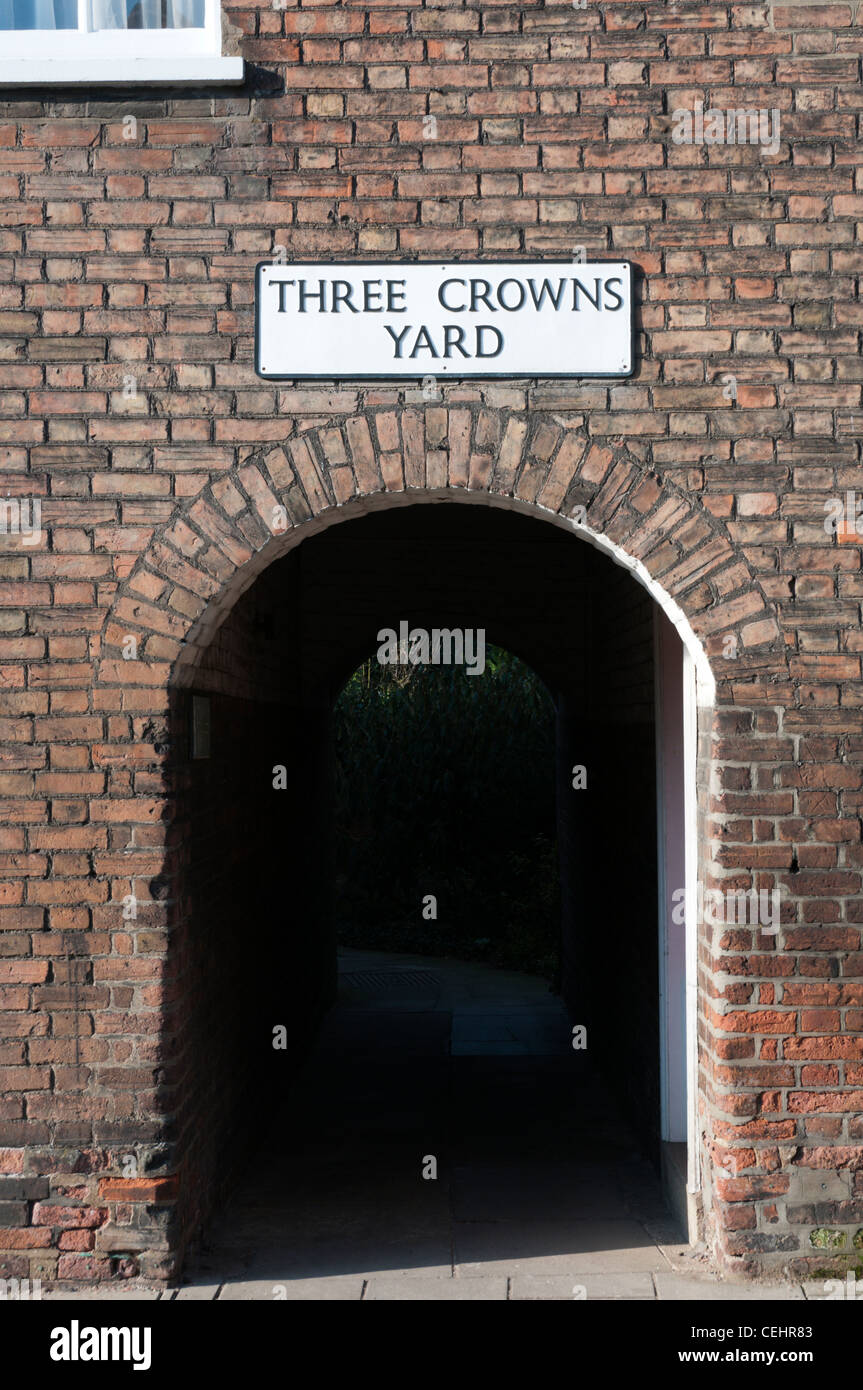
(116, 57)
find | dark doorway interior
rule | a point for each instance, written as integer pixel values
(442, 1126)
(254, 938)
(445, 816)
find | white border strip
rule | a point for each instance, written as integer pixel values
(690, 815)
(120, 72)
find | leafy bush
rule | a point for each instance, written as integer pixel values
(445, 786)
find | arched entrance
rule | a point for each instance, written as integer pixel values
(181, 602)
(254, 824)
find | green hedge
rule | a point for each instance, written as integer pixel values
(445, 786)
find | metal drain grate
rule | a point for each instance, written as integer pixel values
(375, 982)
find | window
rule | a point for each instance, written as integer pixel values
(113, 42)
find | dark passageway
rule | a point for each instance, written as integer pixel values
(532, 1144)
(541, 1191)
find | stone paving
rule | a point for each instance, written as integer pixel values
(540, 1194)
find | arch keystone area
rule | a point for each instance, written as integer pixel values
(209, 552)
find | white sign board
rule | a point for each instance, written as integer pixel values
(496, 319)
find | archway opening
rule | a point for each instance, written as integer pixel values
(444, 773)
(257, 840)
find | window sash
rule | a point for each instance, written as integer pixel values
(82, 42)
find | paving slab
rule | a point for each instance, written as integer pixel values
(681, 1287)
(348, 1288)
(836, 1289)
(586, 1287)
(554, 1248)
(202, 1292)
(435, 1290)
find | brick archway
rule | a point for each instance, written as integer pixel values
(214, 547)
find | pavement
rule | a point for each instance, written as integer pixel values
(443, 1067)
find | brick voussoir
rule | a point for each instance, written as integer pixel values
(149, 618)
(309, 475)
(331, 441)
(278, 467)
(387, 433)
(215, 525)
(363, 456)
(459, 436)
(295, 501)
(344, 484)
(414, 447)
(620, 525)
(166, 561)
(562, 470)
(596, 463)
(730, 613)
(711, 556)
(531, 480)
(393, 472)
(612, 491)
(655, 551)
(508, 460)
(258, 491)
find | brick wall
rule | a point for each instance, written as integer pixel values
(131, 410)
(225, 925)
